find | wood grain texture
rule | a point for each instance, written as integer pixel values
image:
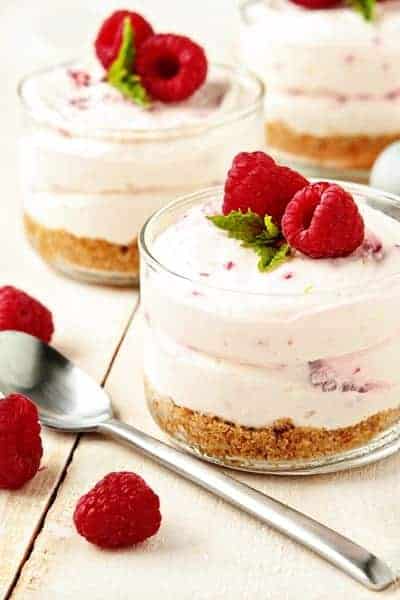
(205, 549)
(89, 324)
(89, 321)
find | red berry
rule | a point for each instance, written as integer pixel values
(316, 4)
(323, 221)
(109, 38)
(20, 443)
(257, 183)
(171, 67)
(21, 312)
(121, 510)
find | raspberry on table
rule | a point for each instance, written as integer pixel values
(21, 312)
(109, 38)
(120, 510)
(171, 67)
(323, 221)
(257, 183)
(20, 443)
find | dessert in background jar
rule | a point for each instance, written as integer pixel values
(272, 321)
(108, 142)
(332, 76)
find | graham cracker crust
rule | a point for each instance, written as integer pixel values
(349, 152)
(58, 246)
(282, 441)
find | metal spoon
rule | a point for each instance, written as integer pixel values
(69, 400)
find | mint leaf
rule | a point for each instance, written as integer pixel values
(365, 7)
(266, 255)
(281, 255)
(271, 229)
(261, 235)
(120, 73)
(245, 227)
(126, 54)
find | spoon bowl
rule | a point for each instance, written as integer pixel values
(69, 400)
(66, 397)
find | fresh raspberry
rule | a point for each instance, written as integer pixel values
(21, 312)
(323, 221)
(171, 67)
(257, 183)
(316, 4)
(121, 510)
(109, 38)
(20, 443)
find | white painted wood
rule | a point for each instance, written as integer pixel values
(89, 321)
(206, 550)
(89, 325)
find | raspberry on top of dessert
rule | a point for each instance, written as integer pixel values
(273, 337)
(143, 81)
(144, 65)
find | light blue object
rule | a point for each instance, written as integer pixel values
(385, 173)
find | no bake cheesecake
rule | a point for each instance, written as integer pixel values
(332, 78)
(249, 364)
(100, 154)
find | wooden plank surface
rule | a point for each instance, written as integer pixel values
(89, 321)
(205, 550)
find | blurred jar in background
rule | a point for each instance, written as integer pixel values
(94, 167)
(333, 82)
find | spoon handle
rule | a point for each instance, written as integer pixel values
(341, 552)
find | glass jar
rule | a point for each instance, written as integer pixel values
(277, 382)
(333, 85)
(87, 189)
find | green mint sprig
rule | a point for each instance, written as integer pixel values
(240, 226)
(120, 73)
(365, 7)
(261, 235)
(272, 260)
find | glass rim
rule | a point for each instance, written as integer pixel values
(208, 193)
(233, 115)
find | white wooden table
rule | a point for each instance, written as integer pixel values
(205, 549)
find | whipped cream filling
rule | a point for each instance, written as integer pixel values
(115, 218)
(326, 52)
(350, 116)
(314, 340)
(333, 393)
(77, 98)
(193, 247)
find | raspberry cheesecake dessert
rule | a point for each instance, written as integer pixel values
(109, 141)
(333, 101)
(272, 327)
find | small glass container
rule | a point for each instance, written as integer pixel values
(333, 85)
(87, 190)
(293, 383)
